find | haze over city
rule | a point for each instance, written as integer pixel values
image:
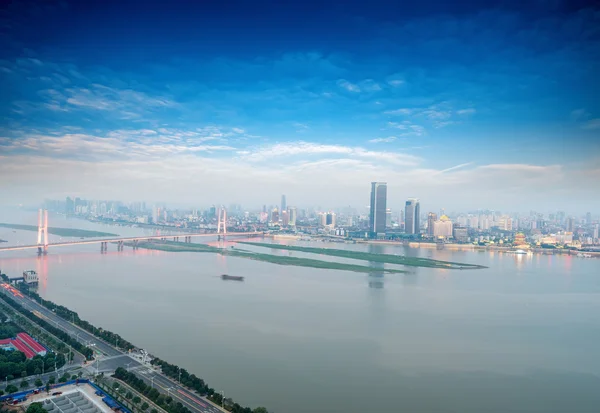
(464, 106)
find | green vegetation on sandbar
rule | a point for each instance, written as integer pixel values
(368, 256)
(273, 259)
(61, 232)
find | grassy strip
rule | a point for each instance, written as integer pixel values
(368, 256)
(273, 259)
(61, 232)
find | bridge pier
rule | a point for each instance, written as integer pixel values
(103, 246)
(135, 244)
(120, 246)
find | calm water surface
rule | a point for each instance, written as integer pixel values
(520, 336)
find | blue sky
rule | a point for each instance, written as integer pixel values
(464, 106)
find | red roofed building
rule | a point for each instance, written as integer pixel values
(19, 345)
(34, 345)
(25, 344)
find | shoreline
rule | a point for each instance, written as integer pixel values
(471, 247)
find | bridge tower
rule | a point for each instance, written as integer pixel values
(222, 222)
(42, 232)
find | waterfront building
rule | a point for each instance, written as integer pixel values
(275, 216)
(377, 212)
(443, 227)
(431, 218)
(293, 215)
(460, 234)
(411, 216)
(285, 220)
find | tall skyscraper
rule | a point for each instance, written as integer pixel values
(283, 204)
(275, 216)
(413, 211)
(431, 218)
(378, 208)
(588, 218)
(285, 218)
(293, 214)
(570, 224)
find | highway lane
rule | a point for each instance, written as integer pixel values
(112, 358)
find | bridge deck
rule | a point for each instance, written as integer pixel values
(124, 239)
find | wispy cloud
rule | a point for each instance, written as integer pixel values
(468, 111)
(350, 87)
(396, 82)
(383, 140)
(401, 111)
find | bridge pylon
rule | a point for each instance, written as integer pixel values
(222, 223)
(42, 240)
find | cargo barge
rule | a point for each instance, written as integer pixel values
(232, 277)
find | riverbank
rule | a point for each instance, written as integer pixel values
(61, 232)
(171, 246)
(471, 247)
(372, 257)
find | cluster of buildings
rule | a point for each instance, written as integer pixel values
(377, 221)
(23, 343)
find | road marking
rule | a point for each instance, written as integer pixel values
(193, 398)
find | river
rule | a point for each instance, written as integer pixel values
(519, 336)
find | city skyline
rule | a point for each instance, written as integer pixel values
(472, 102)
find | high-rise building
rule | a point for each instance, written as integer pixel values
(595, 235)
(505, 223)
(431, 218)
(570, 224)
(285, 218)
(460, 234)
(378, 208)
(293, 214)
(283, 204)
(275, 216)
(588, 218)
(442, 227)
(69, 206)
(388, 218)
(330, 219)
(413, 210)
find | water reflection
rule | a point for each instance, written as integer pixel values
(376, 277)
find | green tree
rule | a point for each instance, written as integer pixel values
(24, 384)
(260, 410)
(145, 406)
(129, 395)
(153, 411)
(39, 382)
(115, 385)
(80, 374)
(23, 374)
(52, 380)
(11, 388)
(63, 379)
(73, 377)
(136, 400)
(37, 371)
(48, 387)
(10, 377)
(36, 408)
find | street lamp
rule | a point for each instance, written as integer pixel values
(152, 380)
(127, 364)
(179, 375)
(222, 398)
